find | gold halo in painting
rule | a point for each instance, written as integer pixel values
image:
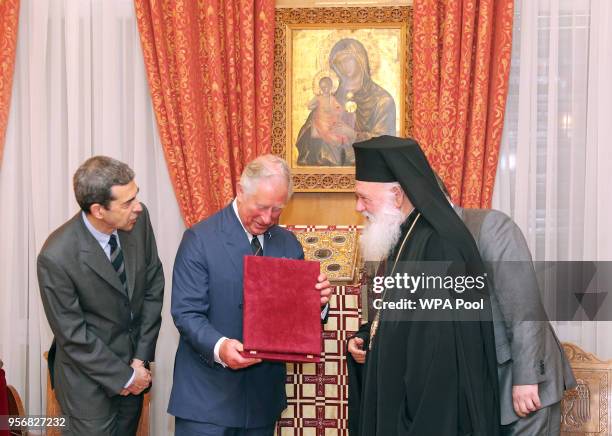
(325, 73)
(328, 43)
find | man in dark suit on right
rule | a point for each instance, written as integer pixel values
(533, 371)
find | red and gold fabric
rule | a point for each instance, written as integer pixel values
(461, 65)
(9, 18)
(210, 68)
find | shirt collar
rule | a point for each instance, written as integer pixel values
(249, 234)
(235, 207)
(102, 238)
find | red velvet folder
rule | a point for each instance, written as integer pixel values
(281, 310)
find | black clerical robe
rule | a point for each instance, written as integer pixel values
(424, 377)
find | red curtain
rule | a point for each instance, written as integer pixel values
(9, 17)
(210, 70)
(461, 65)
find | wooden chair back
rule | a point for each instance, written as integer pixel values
(587, 409)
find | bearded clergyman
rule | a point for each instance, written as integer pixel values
(423, 376)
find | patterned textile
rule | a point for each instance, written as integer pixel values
(210, 67)
(335, 247)
(461, 65)
(9, 16)
(317, 393)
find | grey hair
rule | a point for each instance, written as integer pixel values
(94, 179)
(389, 187)
(265, 167)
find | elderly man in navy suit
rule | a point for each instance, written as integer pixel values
(216, 391)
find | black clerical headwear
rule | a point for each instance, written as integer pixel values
(392, 159)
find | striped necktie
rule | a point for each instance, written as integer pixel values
(116, 258)
(256, 247)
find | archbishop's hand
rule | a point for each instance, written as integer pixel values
(355, 347)
(229, 353)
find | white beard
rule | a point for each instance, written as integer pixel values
(381, 233)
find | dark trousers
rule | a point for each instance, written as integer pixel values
(185, 427)
(123, 421)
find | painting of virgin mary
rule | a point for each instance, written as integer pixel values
(357, 110)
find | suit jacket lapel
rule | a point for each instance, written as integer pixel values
(129, 257)
(93, 255)
(273, 244)
(235, 240)
(458, 210)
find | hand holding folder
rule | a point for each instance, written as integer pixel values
(281, 309)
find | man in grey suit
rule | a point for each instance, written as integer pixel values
(532, 368)
(533, 371)
(101, 284)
